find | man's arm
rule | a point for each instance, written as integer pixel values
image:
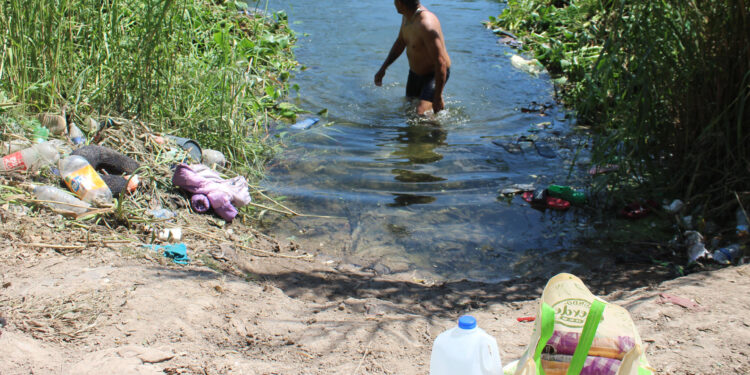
(398, 48)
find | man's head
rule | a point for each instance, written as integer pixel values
(410, 5)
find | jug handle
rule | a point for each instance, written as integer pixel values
(490, 357)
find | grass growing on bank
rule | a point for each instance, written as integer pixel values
(195, 68)
(665, 85)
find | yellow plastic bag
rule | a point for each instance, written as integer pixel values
(575, 329)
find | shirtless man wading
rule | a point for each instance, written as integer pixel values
(429, 64)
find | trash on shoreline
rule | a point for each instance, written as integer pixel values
(84, 181)
(76, 135)
(696, 249)
(170, 234)
(567, 193)
(305, 124)
(176, 252)
(727, 254)
(679, 301)
(56, 124)
(115, 167)
(533, 66)
(517, 188)
(225, 197)
(674, 207)
(213, 157)
(636, 210)
(540, 198)
(59, 200)
(31, 158)
(192, 147)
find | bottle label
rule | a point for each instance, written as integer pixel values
(14, 161)
(84, 180)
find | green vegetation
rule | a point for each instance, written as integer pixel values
(195, 68)
(664, 84)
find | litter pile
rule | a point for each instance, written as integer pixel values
(119, 173)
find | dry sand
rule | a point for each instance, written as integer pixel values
(115, 308)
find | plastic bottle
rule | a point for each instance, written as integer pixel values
(31, 158)
(465, 350)
(76, 135)
(306, 123)
(211, 157)
(41, 134)
(742, 224)
(83, 180)
(9, 147)
(727, 254)
(567, 193)
(60, 200)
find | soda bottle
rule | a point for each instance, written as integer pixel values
(726, 255)
(465, 350)
(84, 181)
(76, 135)
(31, 158)
(567, 193)
(60, 200)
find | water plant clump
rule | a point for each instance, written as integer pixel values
(200, 69)
(665, 86)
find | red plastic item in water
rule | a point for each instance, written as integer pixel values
(551, 202)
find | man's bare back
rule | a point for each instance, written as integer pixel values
(422, 38)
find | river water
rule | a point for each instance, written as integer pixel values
(403, 194)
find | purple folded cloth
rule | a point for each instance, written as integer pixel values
(224, 196)
(200, 203)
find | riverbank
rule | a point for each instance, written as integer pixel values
(116, 308)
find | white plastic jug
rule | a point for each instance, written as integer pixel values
(465, 350)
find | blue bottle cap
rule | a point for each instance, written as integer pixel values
(467, 322)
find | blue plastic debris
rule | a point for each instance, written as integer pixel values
(306, 123)
(176, 252)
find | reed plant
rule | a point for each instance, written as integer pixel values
(664, 84)
(196, 68)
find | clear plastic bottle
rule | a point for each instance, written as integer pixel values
(465, 350)
(213, 157)
(84, 181)
(60, 199)
(15, 145)
(727, 254)
(76, 135)
(31, 158)
(742, 224)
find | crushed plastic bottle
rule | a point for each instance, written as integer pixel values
(76, 135)
(31, 158)
(567, 193)
(84, 181)
(742, 224)
(60, 200)
(726, 255)
(40, 134)
(15, 145)
(465, 350)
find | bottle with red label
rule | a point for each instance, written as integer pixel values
(84, 181)
(31, 158)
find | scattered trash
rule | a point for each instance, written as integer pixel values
(115, 167)
(529, 66)
(567, 193)
(9, 147)
(31, 158)
(192, 147)
(176, 252)
(524, 319)
(84, 181)
(545, 150)
(93, 125)
(213, 157)
(679, 301)
(742, 224)
(161, 213)
(636, 210)
(305, 124)
(100, 129)
(600, 169)
(40, 134)
(223, 196)
(696, 249)
(56, 124)
(450, 354)
(540, 198)
(171, 234)
(726, 255)
(76, 135)
(60, 200)
(674, 207)
(517, 188)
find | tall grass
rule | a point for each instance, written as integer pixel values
(666, 87)
(190, 66)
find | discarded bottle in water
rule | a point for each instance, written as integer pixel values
(60, 200)
(31, 158)
(567, 193)
(76, 135)
(726, 255)
(213, 157)
(306, 123)
(83, 180)
(465, 350)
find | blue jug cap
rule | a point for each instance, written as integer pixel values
(467, 322)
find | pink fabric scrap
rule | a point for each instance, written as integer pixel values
(223, 196)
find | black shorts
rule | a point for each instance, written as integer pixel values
(422, 86)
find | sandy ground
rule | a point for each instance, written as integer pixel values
(115, 308)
